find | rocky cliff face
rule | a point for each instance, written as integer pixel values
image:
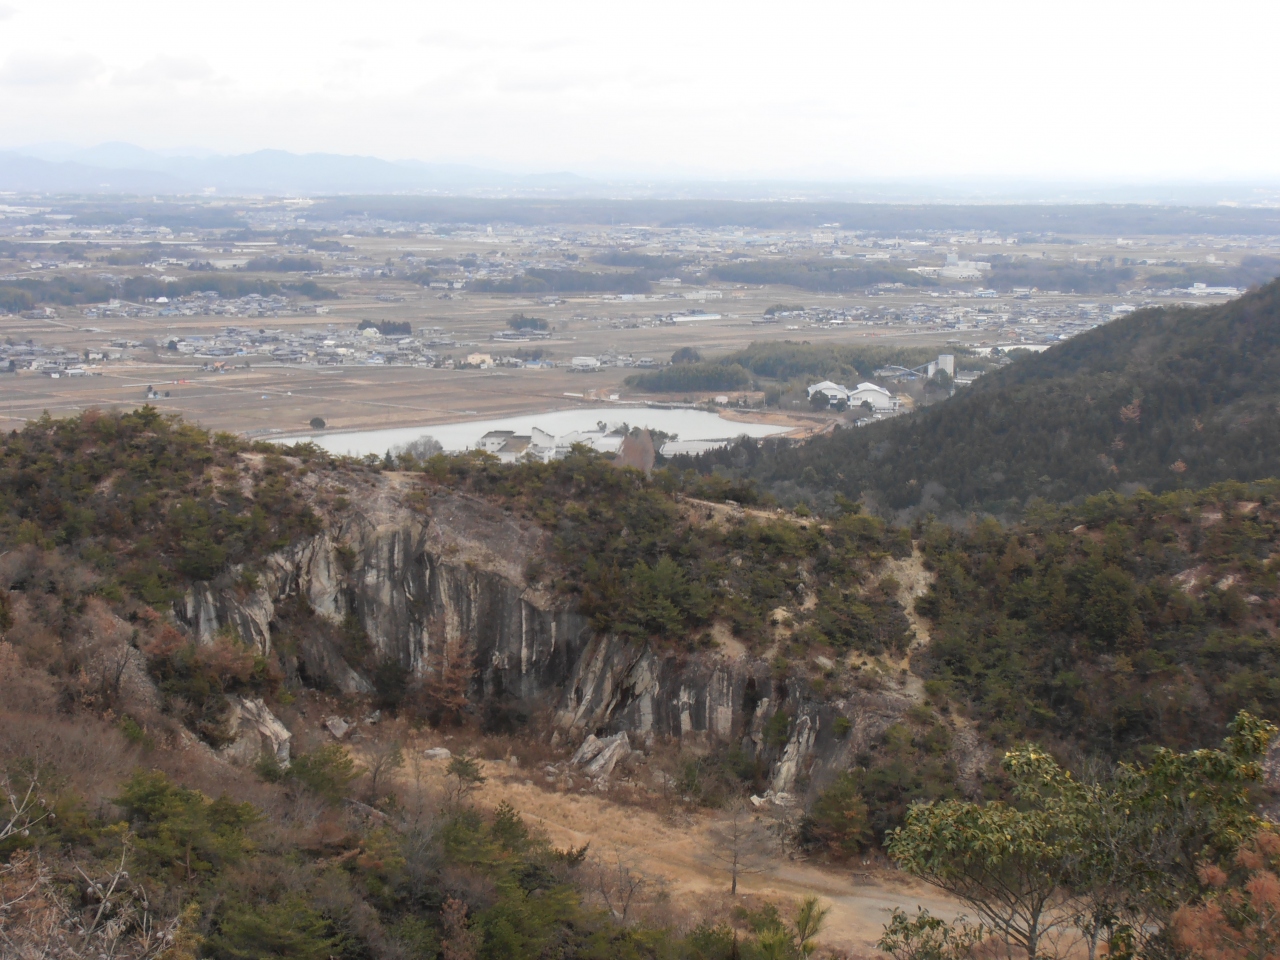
(449, 576)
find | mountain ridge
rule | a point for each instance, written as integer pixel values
(1165, 399)
(117, 166)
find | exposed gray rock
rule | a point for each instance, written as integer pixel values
(337, 726)
(615, 748)
(451, 580)
(588, 751)
(437, 753)
(789, 766)
(1271, 765)
(257, 731)
(416, 587)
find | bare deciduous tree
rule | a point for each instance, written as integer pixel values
(444, 691)
(459, 940)
(25, 807)
(615, 877)
(738, 842)
(383, 759)
(38, 920)
(418, 802)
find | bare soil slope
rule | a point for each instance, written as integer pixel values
(677, 851)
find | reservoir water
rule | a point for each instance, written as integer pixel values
(688, 425)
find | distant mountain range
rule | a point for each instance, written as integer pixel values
(123, 168)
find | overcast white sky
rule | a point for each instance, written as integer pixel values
(841, 89)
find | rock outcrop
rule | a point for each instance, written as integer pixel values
(257, 732)
(416, 584)
(598, 757)
(448, 579)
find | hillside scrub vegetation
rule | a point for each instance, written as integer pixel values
(1125, 623)
(142, 506)
(1119, 623)
(134, 841)
(149, 501)
(141, 853)
(1124, 634)
(640, 565)
(152, 504)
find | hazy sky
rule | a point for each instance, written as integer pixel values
(1035, 88)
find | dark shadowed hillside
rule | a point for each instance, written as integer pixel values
(1164, 399)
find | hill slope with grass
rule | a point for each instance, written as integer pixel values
(1165, 399)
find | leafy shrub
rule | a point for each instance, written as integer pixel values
(326, 771)
(290, 928)
(182, 832)
(195, 679)
(838, 822)
(777, 729)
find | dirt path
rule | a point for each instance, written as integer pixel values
(678, 853)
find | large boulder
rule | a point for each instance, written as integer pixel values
(257, 731)
(597, 757)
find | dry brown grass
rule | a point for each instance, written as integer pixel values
(664, 846)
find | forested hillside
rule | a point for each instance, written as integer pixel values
(1169, 398)
(1110, 628)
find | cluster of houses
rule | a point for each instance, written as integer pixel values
(204, 304)
(53, 362)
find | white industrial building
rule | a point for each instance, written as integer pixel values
(945, 361)
(537, 444)
(880, 400)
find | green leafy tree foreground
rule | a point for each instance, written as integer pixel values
(1105, 858)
